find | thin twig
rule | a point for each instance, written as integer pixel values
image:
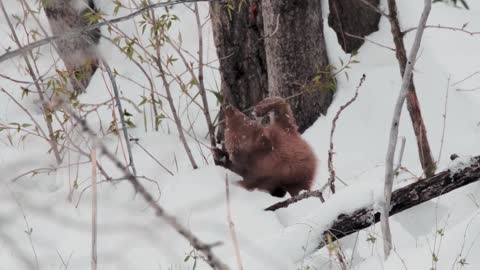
(438, 26)
(206, 112)
(467, 90)
(14, 80)
(150, 155)
(444, 115)
(305, 195)
(370, 5)
(64, 263)
(114, 180)
(466, 78)
(389, 173)
(94, 209)
(28, 231)
(46, 170)
(28, 113)
(122, 117)
(201, 83)
(178, 122)
(331, 179)
(156, 116)
(369, 40)
(400, 155)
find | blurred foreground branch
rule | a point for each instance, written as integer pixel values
(199, 245)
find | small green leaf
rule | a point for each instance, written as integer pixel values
(144, 100)
(129, 123)
(218, 95)
(159, 119)
(126, 113)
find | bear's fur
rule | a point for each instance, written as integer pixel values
(279, 112)
(272, 157)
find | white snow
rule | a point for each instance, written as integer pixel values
(131, 237)
(460, 163)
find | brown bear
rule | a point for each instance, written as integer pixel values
(271, 157)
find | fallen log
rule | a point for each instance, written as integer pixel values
(402, 199)
(405, 198)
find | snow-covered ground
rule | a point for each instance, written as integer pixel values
(45, 219)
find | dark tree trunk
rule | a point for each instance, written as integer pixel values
(352, 20)
(78, 53)
(238, 35)
(297, 57)
(413, 105)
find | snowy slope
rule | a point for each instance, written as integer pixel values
(131, 237)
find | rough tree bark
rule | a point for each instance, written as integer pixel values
(296, 54)
(238, 36)
(352, 20)
(413, 105)
(78, 53)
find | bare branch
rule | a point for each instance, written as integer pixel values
(368, 4)
(400, 154)
(28, 231)
(201, 83)
(122, 117)
(369, 40)
(438, 26)
(94, 209)
(413, 104)
(331, 179)
(178, 122)
(389, 173)
(150, 155)
(444, 120)
(305, 195)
